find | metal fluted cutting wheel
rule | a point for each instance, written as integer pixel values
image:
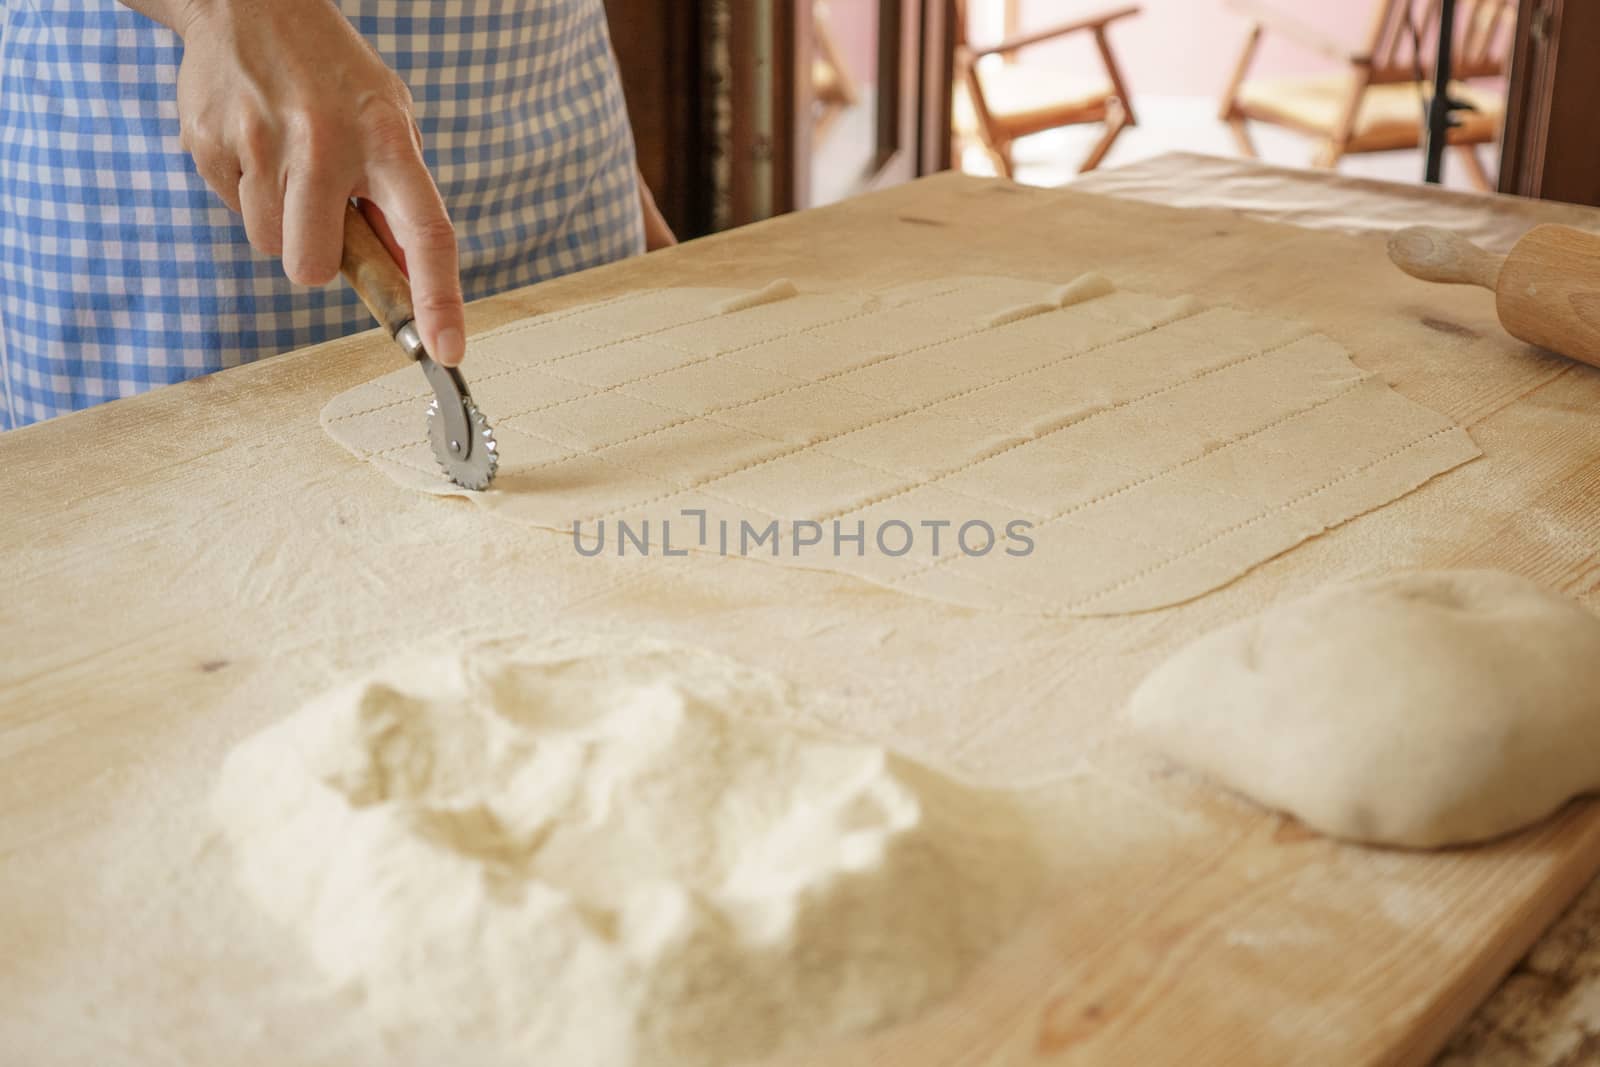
(476, 470)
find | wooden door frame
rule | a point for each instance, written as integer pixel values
(800, 42)
(660, 52)
(761, 110)
(896, 157)
(770, 44)
(1548, 149)
(938, 81)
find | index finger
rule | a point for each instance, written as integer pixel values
(380, 226)
(404, 191)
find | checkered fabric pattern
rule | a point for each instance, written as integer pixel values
(120, 270)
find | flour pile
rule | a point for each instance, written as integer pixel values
(580, 854)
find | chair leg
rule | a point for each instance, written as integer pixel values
(1477, 173)
(1114, 72)
(998, 152)
(1241, 136)
(1000, 156)
(1117, 119)
(1344, 128)
(1230, 95)
(999, 149)
(1011, 25)
(824, 122)
(828, 51)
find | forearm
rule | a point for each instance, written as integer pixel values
(657, 234)
(179, 15)
(173, 14)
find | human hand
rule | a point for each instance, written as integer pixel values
(289, 113)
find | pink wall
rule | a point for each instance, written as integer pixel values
(855, 31)
(1189, 47)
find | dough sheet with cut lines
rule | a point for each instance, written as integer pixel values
(1128, 451)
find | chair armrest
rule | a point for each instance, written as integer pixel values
(1297, 31)
(1093, 22)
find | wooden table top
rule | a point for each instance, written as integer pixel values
(1547, 1012)
(175, 556)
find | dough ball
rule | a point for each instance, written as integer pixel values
(612, 854)
(1422, 709)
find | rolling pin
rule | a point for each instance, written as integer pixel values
(1546, 291)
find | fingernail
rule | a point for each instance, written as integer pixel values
(449, 347)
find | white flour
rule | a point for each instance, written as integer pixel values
(583, 855)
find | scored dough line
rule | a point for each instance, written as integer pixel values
(1291, 502)
(1003, 449)
(1187, 313)
(695, 361)
(1083, 505)
(1050, 607)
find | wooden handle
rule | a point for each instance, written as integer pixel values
(1436, 255)
(1549, 292)
(373, 273)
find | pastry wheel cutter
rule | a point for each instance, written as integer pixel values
(462, 439)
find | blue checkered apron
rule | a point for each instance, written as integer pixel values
(120, 270)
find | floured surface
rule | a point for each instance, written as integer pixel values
(266, 563)
(616, 852)
(1113, 451)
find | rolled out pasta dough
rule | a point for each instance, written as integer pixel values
(1153, 449)
(1421, 709)
(576, 853)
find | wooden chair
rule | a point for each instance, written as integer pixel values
(1376, 105)
(998, 106)
(833, 87)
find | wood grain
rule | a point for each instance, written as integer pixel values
(1549, 148)
(1436, 255)
(184, 566)
(1549, 291)
(1544, 1014)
